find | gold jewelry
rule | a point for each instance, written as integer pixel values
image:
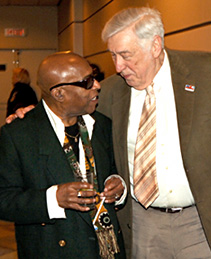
(74, 137)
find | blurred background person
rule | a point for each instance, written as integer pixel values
(22, 94)
(98, 75)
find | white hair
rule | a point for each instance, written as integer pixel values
(145, 22)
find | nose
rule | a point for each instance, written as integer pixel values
(96, 85)
(119, 64)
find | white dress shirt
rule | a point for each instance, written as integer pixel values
(54, 210)
(174, 190)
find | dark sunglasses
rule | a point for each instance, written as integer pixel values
(86, 83)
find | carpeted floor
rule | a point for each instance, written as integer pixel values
(7, 241)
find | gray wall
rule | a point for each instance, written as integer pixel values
(41, 39)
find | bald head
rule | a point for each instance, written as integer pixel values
(60, 67)
(68, 86)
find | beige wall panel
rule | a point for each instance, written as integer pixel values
(92, 42)
(64, 14)
(92, 6)
(78, 39)
(66, 39)
(182, 13)
(39, 22)
(198, 39)
(71, 26)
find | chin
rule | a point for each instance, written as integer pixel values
(131, 83)
(90, 111)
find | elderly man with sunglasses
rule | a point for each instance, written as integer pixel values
(41, 155)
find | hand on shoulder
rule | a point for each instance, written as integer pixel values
(19, 113)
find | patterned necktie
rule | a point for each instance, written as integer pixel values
(104, 229)
(144, 176)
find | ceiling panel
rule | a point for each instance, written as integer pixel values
(29, 2)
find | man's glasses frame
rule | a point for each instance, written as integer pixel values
(87, 83)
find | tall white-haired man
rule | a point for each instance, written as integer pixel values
(165, 156)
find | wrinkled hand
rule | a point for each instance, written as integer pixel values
(113, 190)
(71, 195)
(19, 113)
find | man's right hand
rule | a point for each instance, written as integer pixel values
(73, 195)
(19, 113)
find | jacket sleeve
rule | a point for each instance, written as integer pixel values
(17, 202)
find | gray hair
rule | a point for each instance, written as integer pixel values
(145, 22)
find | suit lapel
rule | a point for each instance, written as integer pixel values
(120, 111)
(184, 99)
(120, 114)
(52, 152)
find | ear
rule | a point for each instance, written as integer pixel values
(157, 46)
(58, 94)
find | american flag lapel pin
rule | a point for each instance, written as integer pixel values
(190, 88)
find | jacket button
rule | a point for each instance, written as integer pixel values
(62, 243)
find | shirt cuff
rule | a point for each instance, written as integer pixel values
(124, 195)
(54, 210)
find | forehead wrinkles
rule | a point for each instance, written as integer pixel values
(124, 41)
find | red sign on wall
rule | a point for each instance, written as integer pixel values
(14, 32)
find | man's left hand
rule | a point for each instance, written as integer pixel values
(113, 190)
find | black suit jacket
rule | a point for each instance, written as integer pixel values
(32, 160)
(194, 122)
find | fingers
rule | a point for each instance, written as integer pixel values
(113, 190)
(11, 118)
(28, 108)
(75, 195)
(19, 113)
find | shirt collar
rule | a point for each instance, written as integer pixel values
(59, 127)
(162, 78)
